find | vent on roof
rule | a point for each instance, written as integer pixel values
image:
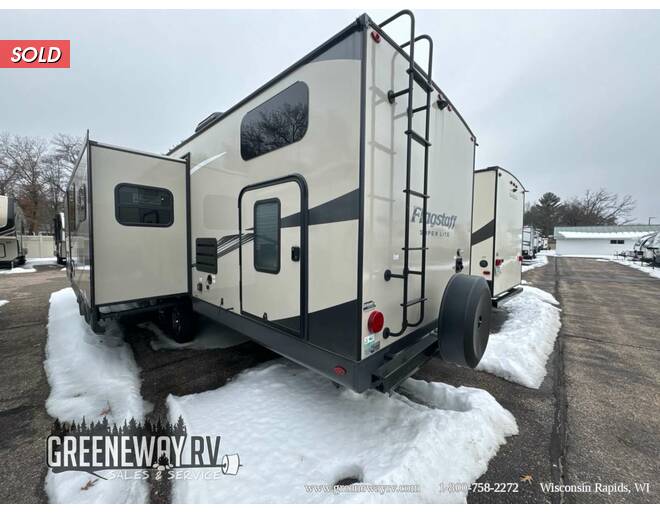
(207, 121)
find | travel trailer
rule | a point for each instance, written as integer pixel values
(12, 252)
(59, 238)
(497, 220)
(328, 218)
(528, 245)
(638, 247)
(538, 240)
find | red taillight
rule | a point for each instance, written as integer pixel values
(499, 262)
(339, 371)
(520, 259)
(375, 322)
(375, 36)
(486, 272)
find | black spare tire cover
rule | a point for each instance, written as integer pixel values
(464, 320)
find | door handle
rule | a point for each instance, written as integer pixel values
(295, 253)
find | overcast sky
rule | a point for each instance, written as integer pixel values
(565, 100)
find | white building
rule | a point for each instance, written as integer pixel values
(605, 240)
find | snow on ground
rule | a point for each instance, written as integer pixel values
(3, 302)
(26, 268)
(293, 428)
(654, 272)
(589, 256)
(210, 335)
(541, 260)
(520, 350)
(43, 260)
(93, 376)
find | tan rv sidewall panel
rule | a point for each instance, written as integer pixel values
(483, 212)
(508, 231)
(79, 231)
(451, 165)
(327, 157)
(137, 262)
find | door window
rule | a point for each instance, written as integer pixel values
(267, 236)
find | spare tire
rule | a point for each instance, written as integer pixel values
(464, 320)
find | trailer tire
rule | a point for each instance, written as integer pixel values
(183, 323)
(97, 326)
(163, 319)
(464, 320)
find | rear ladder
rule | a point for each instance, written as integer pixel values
(415, 76)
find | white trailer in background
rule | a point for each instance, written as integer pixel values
(128, 231)
(538, 240)
(12, 251)
(528, 248)
(651, 248)
(497, 220)
(329, 212)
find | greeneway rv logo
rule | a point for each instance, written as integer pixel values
(134, 450)
(436, 224)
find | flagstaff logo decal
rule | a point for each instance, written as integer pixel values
(436, 224)
(137, 448)
(35, 53)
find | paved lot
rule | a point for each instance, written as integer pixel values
(594, 419)
(24, 423)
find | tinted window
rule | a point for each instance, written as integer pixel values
(3, 251)
(277, 122)
(82, 205)
(143, 205)
(71, 208)
(267, 236)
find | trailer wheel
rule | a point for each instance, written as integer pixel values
(98, 327)
(183, 323)
(163, 319)
(464, 320)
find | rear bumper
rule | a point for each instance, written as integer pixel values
(356, 375)
(506, 296)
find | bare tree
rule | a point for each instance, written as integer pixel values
(24, 157)
(8, 169)
(598, 208)
(58, 166)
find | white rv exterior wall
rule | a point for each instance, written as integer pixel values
(593, 246)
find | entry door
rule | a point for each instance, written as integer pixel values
(272, 259)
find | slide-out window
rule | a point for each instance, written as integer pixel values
(137, 205)
(278, 122)
(267, 236)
